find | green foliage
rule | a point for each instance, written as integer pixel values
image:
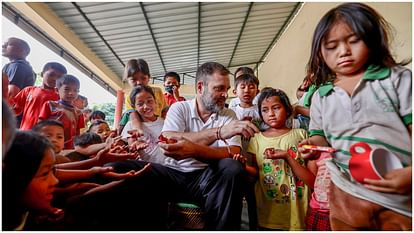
(108, 109)
(39, 80)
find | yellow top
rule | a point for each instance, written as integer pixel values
(281, 198)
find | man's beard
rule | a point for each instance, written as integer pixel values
(209, 103)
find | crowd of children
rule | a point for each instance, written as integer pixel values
(354, 91)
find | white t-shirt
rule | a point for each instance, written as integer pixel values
(183, 117)
(243, 112)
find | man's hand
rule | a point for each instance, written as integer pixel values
(244, 128)
(181, 149)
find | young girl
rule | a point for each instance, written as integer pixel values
(28, 179)
(281, 197)
(143, 99)
(364, 95)
(101, 128)
(137, 73)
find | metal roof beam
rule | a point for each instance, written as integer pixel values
(282, 29)
(152, 34)
(97, 31)
(241, 33)
(199, 34)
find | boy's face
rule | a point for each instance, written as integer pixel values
(246, 92)
(39, 192)
(68, 92)
(12, 48)
(138, 78)
(170, 83)
(50, 76)
(56, 136)
(145, 105)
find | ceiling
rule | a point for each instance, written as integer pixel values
(172, 36)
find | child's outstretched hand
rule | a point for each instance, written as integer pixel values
(396, 181)
(132, 173)
(107, 156)
(272, 153)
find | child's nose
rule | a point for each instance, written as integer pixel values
(344, 49)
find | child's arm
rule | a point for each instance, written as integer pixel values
(301, 172)
(397, 181)
(65, 175)
(136, 122)
(316, 140)
(302, 110)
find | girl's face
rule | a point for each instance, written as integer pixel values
(343, 51)
(39, 192)
(68, 92)
(145, 106)
(274, 112)
(138, 78)
(56, 136)
(102, 130)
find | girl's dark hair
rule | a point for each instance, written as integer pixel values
(40, 125)
(135, 65)
(138, 89)
(97, 114)
(269, 92)
(87, 139)
(67, 79)
(19, 168)
(367, 24)
(97, 122)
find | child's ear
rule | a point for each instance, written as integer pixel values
(234, 91)
(41, 74)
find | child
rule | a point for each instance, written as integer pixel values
(172, 86)
(54, 131)
(143, 99)
(364, 95)
(241, 70)
(281, 197)
(63, 110)
(302, 109)
(246, 88)
(30, 100)
(101, 128)
(137, 73)
(83, 140)
(28, 179)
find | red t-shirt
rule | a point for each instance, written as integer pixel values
(30, 100)
(71, 118)
(169, 99)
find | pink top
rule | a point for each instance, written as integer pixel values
(320, 196)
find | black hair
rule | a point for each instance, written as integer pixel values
(246, 78)
(138, 89)
(54, 65)
(367, 24)
(40, 125)
(135, 65)
(24, 46)
(208, 69)
(20, 166)
(87, 139)
(269, 92)
(244, 70)
(67, 79)
(174, 75)
(96, 114)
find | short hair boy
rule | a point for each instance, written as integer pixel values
(171, 87)
(30, 100)
(63, 109)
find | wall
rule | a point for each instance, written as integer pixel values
(284, 67)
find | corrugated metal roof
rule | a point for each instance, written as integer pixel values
(177, 36)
